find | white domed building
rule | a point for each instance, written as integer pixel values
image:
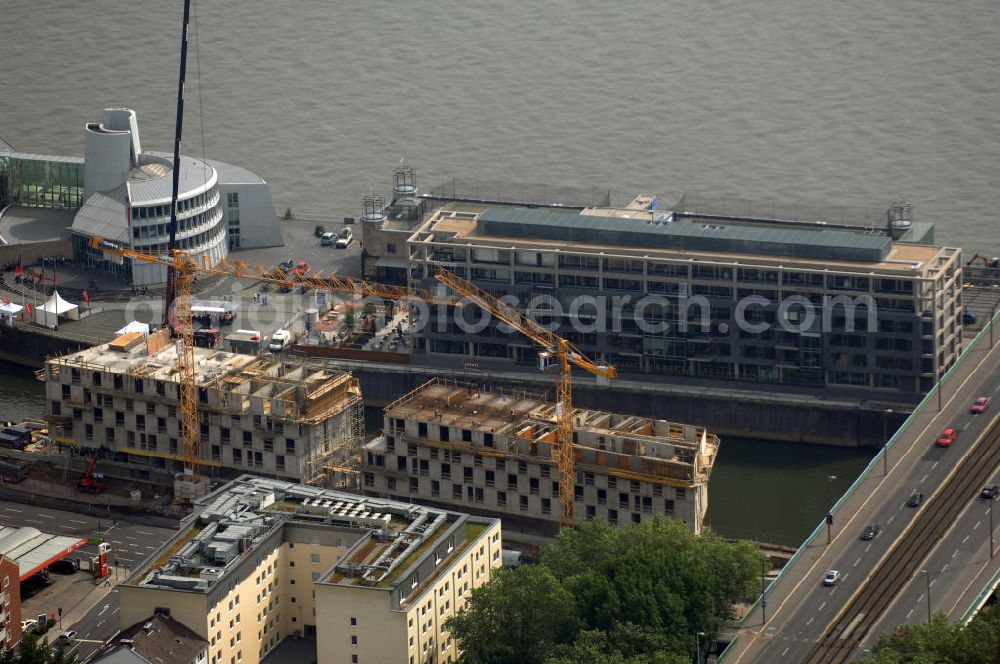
(127, 196)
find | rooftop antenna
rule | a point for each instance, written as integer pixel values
(171, 291)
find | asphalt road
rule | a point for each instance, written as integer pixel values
(800, 612)
(132, 543)
(957, 568)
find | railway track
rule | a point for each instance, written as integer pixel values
(851, 626)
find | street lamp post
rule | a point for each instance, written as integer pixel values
(990, 510)
(697, 645)
(927, 579)
(763, 587)
(993, 314)
(829, 508)
(885, 441)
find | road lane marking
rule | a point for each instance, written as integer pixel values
(822, 605)
(11, 509)
(868, 548)
(966, 426)
(955, 553)
(809, 622)
(910, 613)
(856, 562)
(78, 521)
(33, 521)
(99, 624)
(785, 651)
(46, 516)
(935, 465)
(965, 540)
(143, 532)
(977, 525)
(101, 612)
(922, 479)
(129, 538)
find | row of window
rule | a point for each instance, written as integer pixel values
(183, 205)
(704, 272)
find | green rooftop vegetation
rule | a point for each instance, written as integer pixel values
(174, 548)
(472, 532)
(284, 506)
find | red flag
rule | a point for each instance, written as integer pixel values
(86, 297)
(55, 276)
(28, 307)
(17, 268)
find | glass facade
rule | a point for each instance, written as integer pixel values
(37, 181)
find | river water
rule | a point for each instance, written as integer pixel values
(854, 102)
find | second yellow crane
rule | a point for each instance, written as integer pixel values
(559, 354)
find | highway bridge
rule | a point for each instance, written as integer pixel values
(939, 556)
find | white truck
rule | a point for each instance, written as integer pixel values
(279, 340)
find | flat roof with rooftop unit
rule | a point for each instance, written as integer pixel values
(368, 565)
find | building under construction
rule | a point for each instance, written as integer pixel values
(490, 451)
(278, 418)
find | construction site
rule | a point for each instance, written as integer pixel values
(493, 451)
(285, 419)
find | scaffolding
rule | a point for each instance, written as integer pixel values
(339, 467)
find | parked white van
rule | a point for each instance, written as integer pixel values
(279, 340)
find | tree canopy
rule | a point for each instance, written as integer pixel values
(942, 643)
(33, 650)
(632, 596)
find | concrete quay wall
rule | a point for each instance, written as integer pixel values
(729, 413)
(744, 413)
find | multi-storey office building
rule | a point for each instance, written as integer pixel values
(490, 451)
(658, 293)
(272, 417)
(372, 580)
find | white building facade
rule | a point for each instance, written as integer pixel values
(127, 200)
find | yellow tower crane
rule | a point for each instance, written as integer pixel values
(559, 354)
(185, 267)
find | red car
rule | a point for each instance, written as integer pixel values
(947, 437)
(979, 405)
(301, 268)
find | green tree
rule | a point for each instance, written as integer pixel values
(624, 643)
(942, 643)
(517, 617)
(632, 596)
(654, 574)
(33, 650)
